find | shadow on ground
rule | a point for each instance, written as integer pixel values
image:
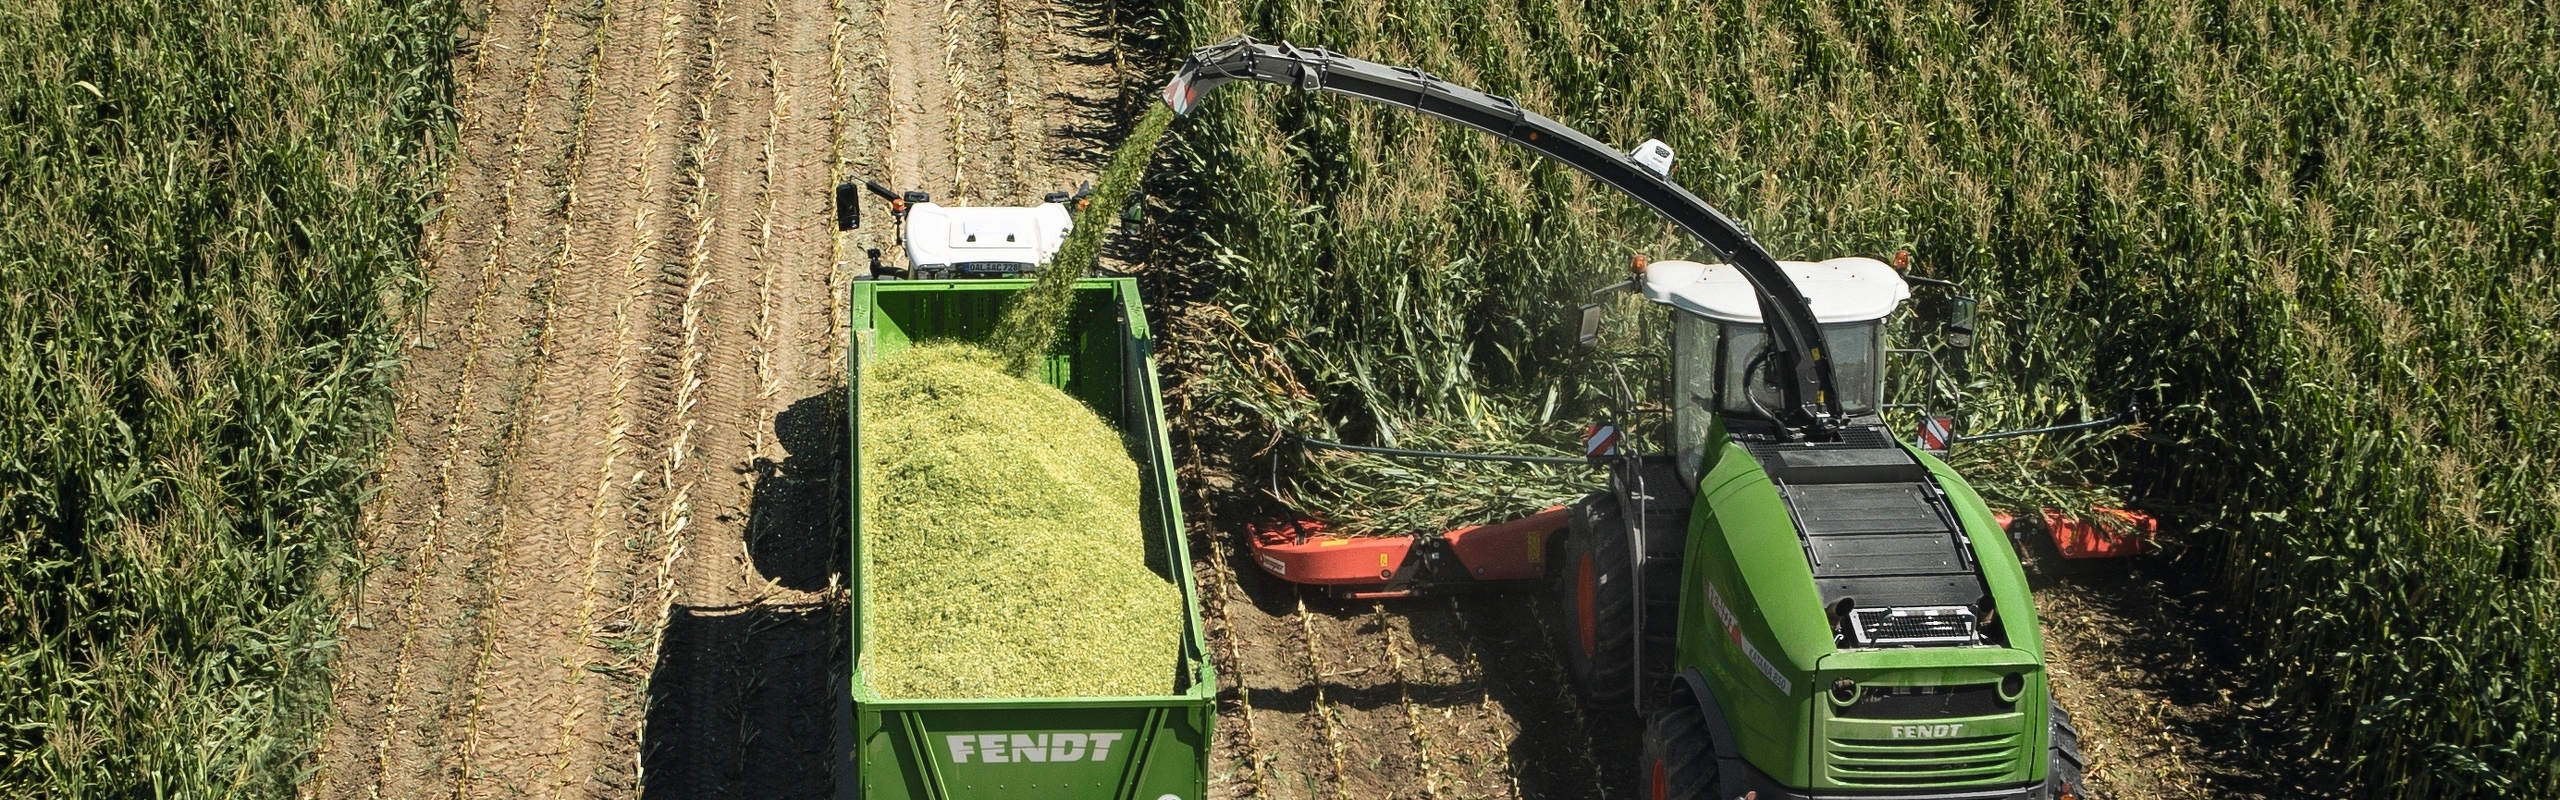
(2146, 659)
(742, 704)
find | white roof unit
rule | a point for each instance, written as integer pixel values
(1853, 289)
(947, 237)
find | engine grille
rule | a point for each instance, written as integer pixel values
(1922, 762)
(1927, 702)
(1909, 626)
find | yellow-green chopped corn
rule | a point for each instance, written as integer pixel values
(1003, 550)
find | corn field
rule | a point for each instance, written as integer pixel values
(2316, 240)
(209, 214)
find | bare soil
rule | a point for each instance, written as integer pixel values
(604, 558)
(2136, 651)
(1444, 697)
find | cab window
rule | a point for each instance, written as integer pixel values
(1855, 351)
(1693, 389)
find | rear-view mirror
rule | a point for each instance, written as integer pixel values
(848, 206)
(1960, 322)
(1587, 333)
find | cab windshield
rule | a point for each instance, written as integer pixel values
(1710, 359)
(1744, 374)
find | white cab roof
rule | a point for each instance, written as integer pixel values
(1853, 289)
(942, 235)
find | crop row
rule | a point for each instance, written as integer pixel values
(209, 222)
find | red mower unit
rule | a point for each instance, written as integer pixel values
(2111, 533)
(1304, 551)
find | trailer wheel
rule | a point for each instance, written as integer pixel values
(1679, 760)
(1597, 596)
(2062, 779)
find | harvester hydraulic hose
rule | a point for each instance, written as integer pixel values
(1397, 452)
(2095, 423)
(2132, 414)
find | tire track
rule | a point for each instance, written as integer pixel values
(589, 751)
(1327, 718)
(1393, 652)
(1241, 739)
(1572, 703)
(464, 413)
(1461, 696)
(674, 477)
(531, 403)
(1470, 680)
(748, 637)
(467, 549)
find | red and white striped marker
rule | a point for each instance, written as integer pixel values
(1600, 439)
(1936, 432)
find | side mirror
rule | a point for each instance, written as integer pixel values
(848, 206)
(1960, 321)
(1586, 336)
(849, 202)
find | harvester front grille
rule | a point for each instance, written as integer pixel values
(1927, 702)
(1922, 762)
(1908, 626)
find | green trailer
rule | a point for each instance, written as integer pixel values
(1079, 748)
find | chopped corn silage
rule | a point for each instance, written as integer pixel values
(1031, 321)
(1002, 540)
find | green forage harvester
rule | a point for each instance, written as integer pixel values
(1003, 540)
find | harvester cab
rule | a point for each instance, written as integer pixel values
(1800, 604)
(1721, 371)
(965, 241)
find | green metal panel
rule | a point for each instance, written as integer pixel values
(1066, 749)
(1768, 654)
(1114, 748)
(1743, 554)
(2001, 571)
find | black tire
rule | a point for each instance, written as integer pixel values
(1596, 592)
(1679, 760)
(2063, 777)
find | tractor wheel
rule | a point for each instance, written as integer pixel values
(1679, 760)
(1598, 598)
(2062, 779)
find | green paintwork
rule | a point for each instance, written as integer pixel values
(1113, 748)
(1743, 552)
